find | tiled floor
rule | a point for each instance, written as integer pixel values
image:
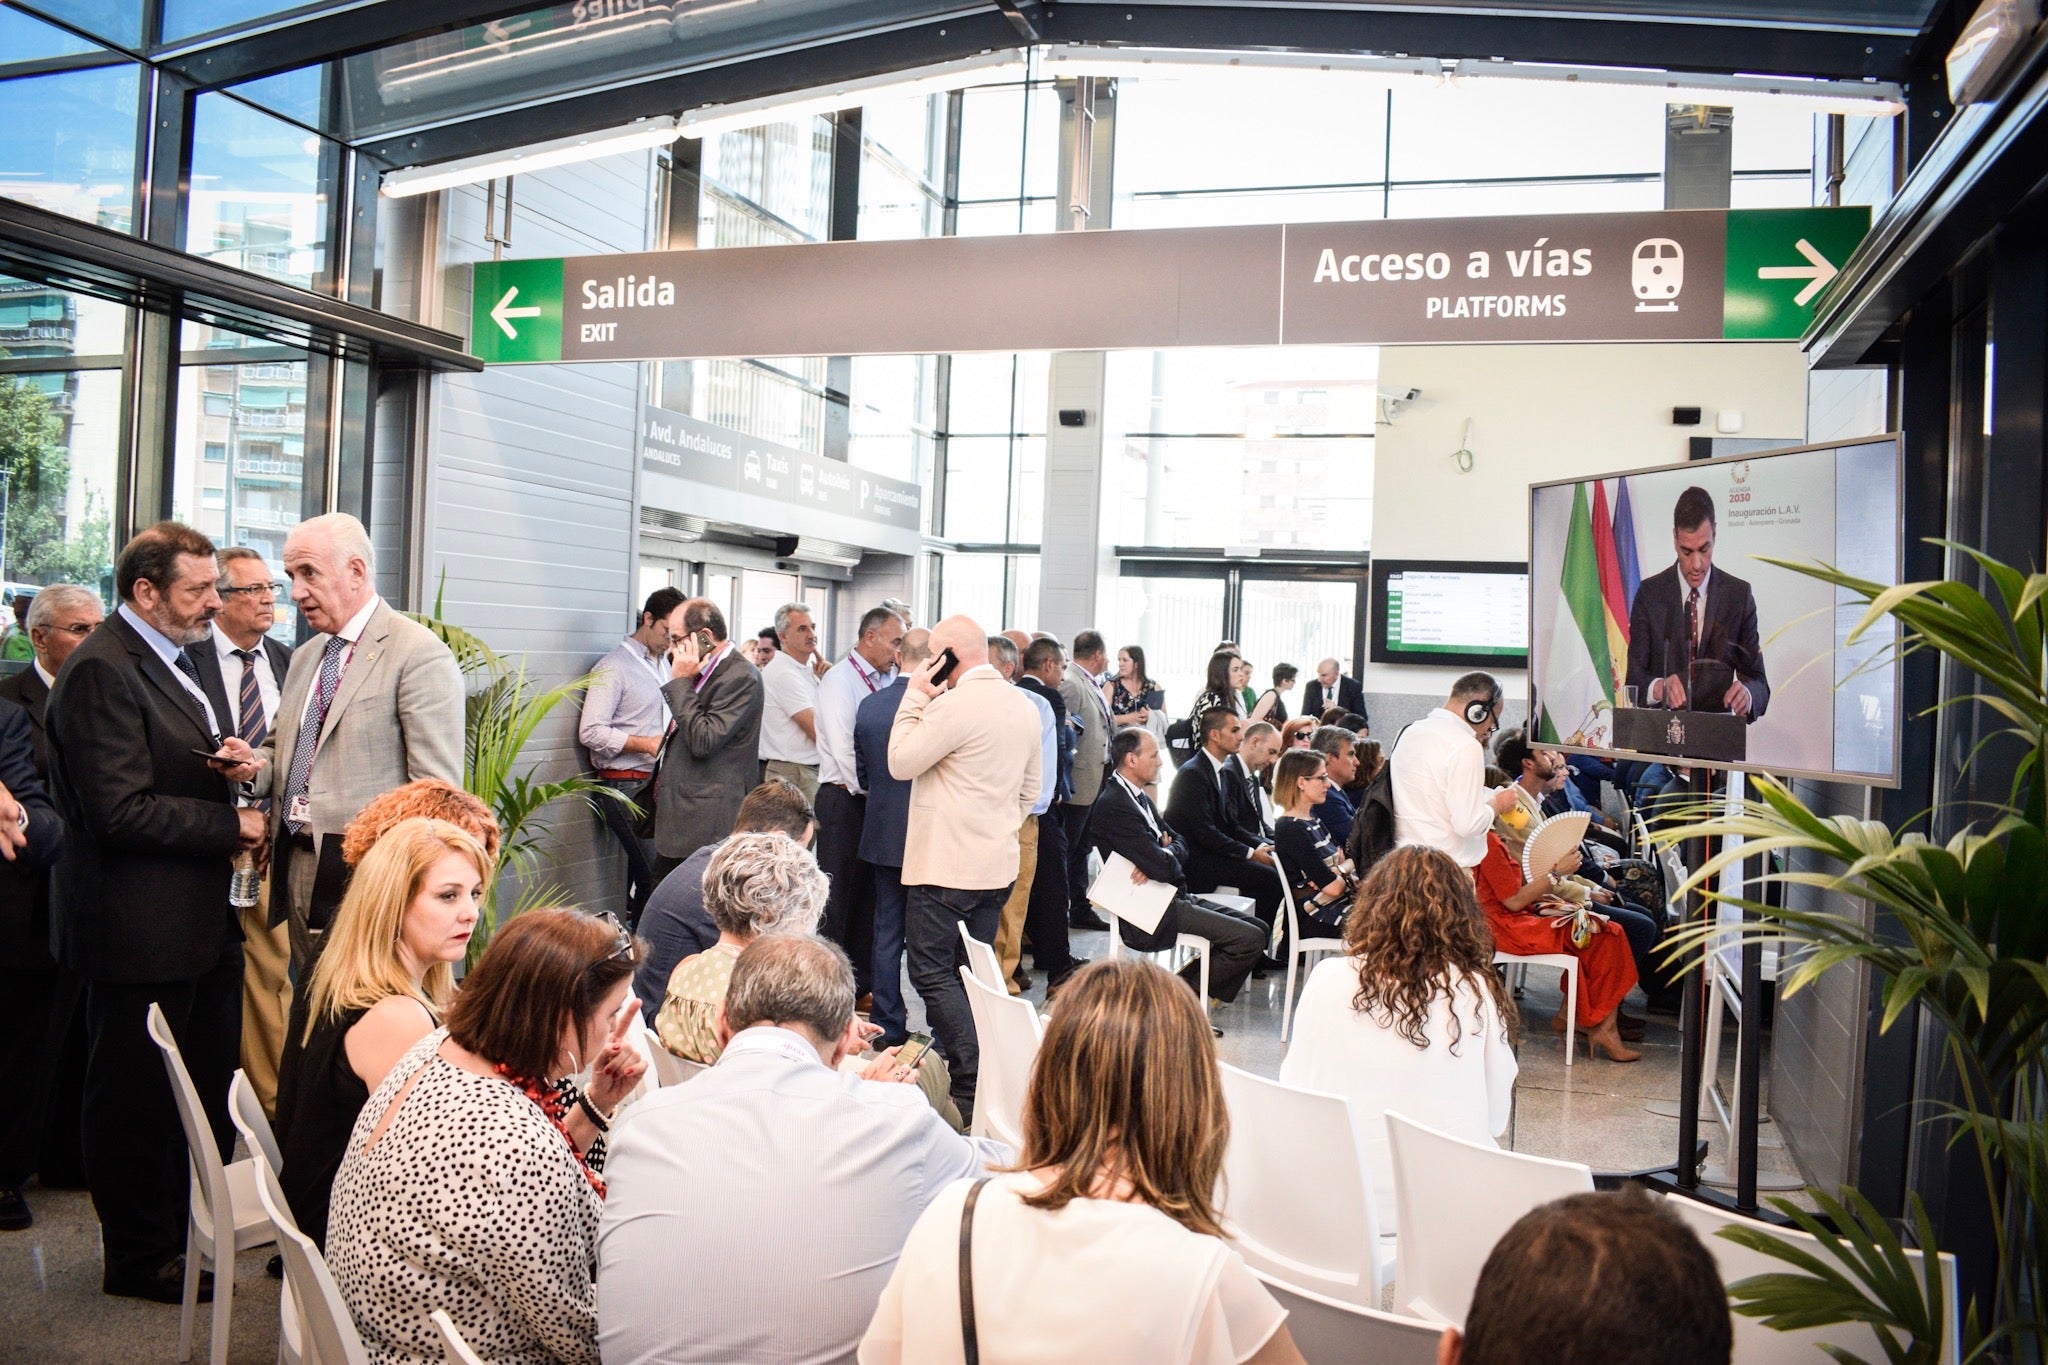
(1594, 1111)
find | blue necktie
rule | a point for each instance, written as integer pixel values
(301, 774)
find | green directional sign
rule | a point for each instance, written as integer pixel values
(515, 312)
(1779, 260)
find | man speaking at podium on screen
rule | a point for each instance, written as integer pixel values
(1692, 637)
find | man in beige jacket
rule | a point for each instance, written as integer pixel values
(969, 748)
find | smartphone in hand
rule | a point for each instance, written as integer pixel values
(913, 1051)
(948, 661)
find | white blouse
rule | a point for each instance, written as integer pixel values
(1099, 1280)
(1340, 1051)
(470, 1200)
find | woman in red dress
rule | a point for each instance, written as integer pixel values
(1606, 971)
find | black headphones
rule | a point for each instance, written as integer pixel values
(1480, 712)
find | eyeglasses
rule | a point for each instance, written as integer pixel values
(1319, 777)
(79, 630)
(267, 589)
(622, 945)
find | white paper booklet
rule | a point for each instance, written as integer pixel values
(1140, 904)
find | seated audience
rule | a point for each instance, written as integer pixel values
(1336, 809)
(1311, 858)
(1211, 806)
(1295, 733)
(675, 924)
(1105, 1244)
(735, 1175)
(472, 1180)
(1125, 820)
(1609, 1276)
(1256, 753)
(1271, 706)
(1532, 917)
(379, 985)
(1413, 1018)
(755, 884)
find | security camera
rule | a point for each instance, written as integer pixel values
(1394, 402)
(1401, 396)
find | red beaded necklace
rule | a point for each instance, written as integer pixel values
(552, 1103)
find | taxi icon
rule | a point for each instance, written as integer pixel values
(1657, 272)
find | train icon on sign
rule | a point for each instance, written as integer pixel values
(1657, 272)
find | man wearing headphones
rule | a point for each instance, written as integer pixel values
(1438, 771)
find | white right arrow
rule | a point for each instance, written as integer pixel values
(1819, 273)
(505, 312)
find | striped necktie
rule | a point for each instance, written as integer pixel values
(255, 725)
(324, 686)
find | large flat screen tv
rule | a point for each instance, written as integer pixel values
(1464, 613)
(1656, 630)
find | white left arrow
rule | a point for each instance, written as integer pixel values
(505, 312)
(1818, 274)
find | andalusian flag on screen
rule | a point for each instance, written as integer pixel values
(1579, 662)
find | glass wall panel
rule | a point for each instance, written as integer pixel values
(1234, 128)
(1231, 207)
(894, 205)
(60, 443)
(1296, 622)
(1483, 130)
(118, 22)
(1773, 138)
(239, 470)
(38, 322)
(995, 218)
(1508, 197)
(912, 131)
(893, 410)
(1009, 141)
(973, 585)
(1176, 621)
(767, 185)
(977, 488)
(67, 141)
(189, 18)
(258, 200)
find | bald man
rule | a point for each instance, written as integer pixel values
(967, 742)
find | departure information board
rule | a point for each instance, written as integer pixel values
(1453, 612)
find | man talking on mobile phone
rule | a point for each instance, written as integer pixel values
(967, 742)
(710, 760)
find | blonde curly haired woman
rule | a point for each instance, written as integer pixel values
(379, 985)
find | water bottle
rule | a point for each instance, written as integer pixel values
(243, 885)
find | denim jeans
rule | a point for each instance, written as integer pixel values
(932, 919)
(887, 963)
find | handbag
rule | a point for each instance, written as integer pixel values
(970, 1344)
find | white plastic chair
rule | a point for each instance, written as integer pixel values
(254, 1126)
(225, 1217)
(1329, 1332)
(1008, 1030)
(1453, 1200)
(1314, 1225)
(251, 1122)
(1565, 963)
(451, 1336)
(1297, 949)
(666, 1068)
(982, 961)
(324, 1319)
(1756, 1344)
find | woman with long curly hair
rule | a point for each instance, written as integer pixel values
(1413, 1017)
(1105, 1241)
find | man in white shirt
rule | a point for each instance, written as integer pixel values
(622, 725)
(789, 716)
(757, 1212)
(1439, 773)
(840, 802)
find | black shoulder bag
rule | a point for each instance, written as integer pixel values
(970, 1344)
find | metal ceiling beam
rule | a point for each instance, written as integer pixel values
(1992, 159)
(802, 69)
(1026, 16)
(1575, 40)
(68, 254)
(331, 34)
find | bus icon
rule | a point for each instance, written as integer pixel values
(1657, 271)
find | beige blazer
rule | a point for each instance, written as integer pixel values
(972, 758)
(397, 715)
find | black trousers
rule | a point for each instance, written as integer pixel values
(1074, 827)
(931, 938)
(135, 1161)
(1208, 871)
(1236, 943)
(1045, 914)
(39, 1125)
(640, 881)
(849, 918)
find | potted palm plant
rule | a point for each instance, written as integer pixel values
(502, 710)
(1965, 930)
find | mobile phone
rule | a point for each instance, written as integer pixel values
(912, 1052)
(948, 661)
(210, 755)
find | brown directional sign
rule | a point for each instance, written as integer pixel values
(1694, 275)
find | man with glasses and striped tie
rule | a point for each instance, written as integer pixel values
(243, 669)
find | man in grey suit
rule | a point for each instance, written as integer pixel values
(711, 760)
(1086, 705)
(372, 702)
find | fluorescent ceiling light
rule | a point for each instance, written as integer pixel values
(653, 132)
(713, 119)
(1872, 99)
